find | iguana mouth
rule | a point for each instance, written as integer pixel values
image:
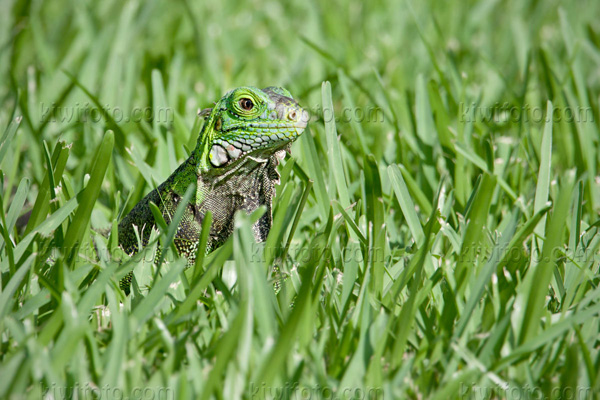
(261, 139)
(300, 121)
(266, 127)
(224, 154)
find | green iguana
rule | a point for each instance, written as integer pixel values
(233, 167)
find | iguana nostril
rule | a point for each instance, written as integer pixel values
(292, 115)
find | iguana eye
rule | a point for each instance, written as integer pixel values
(246, 104)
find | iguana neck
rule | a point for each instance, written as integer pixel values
(260, 169)
(199, 157)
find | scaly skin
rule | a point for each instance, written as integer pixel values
(234, 167)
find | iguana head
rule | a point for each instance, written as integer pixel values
(249, 121)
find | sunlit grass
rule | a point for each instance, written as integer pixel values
(437, 223)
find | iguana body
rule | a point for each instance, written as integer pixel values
(233, 167)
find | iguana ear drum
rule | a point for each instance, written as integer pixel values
(218, 156)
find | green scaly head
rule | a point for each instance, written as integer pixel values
(248, 122)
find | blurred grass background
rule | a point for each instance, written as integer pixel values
(440, 234)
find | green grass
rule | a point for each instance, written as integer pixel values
(438, 220)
